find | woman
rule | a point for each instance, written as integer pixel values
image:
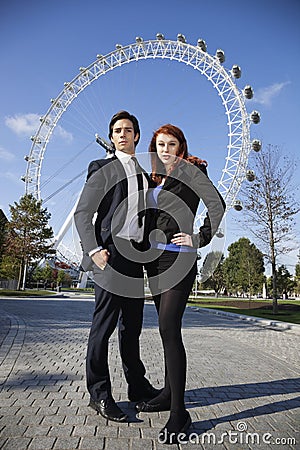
(181, 181)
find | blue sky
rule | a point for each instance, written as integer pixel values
(43, 44)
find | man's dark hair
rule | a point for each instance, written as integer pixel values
(125, 115)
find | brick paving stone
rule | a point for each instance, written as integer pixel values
(86, 430)
(10, 421)
(92, 420)
(7, 411)
(53, 420)
(112, 431)
(91, 443)
(67, 411)
(75, 420)
(73, 395)
(16, 443)
(13, 431)
(41, 411)
(4, 327)
(2, 442)
(237, 372)
(129, 432)
(29, 420)
(61, 430)
(42, 443)
(33, 431)
(149, 433)
(65, 443)
(117, 444)
(137, 444)
(60, 402)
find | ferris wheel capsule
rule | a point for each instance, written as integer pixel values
(202, 44)
(250, 175)
(255, 117)
(236, 71)
(248, 92)
(36, 139)
(256, 145)
(29, 158)
(45, 120)
(220, 55)
(181, 38)
(238, 205)
(26, 179)
(160, 37)
(56, 102)
(220, 233)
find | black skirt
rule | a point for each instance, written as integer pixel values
(173, 270)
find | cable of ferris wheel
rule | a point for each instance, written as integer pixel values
(64, 166)
(63, 186)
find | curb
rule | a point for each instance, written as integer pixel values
(273, 324)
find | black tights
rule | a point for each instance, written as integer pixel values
(171, 308)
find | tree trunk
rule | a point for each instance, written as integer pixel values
(20, 279)
(274, 286)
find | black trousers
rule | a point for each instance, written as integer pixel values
(112, 309)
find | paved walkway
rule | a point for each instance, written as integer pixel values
(242, 388)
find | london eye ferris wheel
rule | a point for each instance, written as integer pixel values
(65, 141)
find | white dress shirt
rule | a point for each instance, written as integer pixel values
(130, 229)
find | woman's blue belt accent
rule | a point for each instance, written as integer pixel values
(173, 247)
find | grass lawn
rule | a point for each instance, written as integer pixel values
(26, 293)
(289, 310)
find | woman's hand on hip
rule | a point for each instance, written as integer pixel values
(182, 239)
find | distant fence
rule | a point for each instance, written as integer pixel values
(8, 284)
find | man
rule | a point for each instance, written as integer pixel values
(114, 188)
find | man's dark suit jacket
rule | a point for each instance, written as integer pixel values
(105, 192)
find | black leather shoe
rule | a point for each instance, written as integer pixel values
(146, 407)
(109, 410)
(147, 393)
(175, 437)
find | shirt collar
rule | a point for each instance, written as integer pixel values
(124, 157)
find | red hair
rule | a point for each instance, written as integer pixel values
(158, 169)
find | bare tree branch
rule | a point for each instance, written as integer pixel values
(271, 206)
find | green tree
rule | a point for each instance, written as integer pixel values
(9, 267)
(63, 278)
(212, 272)
(244, 268)
(285, 283)
(271, 207)
(28, 233)
(3, 222)
(43, 274)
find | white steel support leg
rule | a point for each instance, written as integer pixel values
(66, 226)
